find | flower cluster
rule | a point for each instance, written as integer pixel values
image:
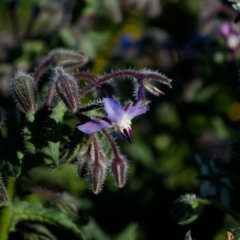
(88, 151)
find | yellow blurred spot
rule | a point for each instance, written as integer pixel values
(133, 29)
(100, 64)
(234, 111)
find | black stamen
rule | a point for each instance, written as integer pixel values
(129, 136)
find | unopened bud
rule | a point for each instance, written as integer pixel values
(119, 170)
(98, 167)
(187, 208)
(24, 92)
(67, 89)
(67, 58)
(98, 173)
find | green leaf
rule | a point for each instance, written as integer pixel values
(130, 232)
(75, 145)
(5, 204)
(36, 212)
(29, 132)
(54, 127)
(35, 231)
(10, 160)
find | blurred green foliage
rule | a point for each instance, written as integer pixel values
(193, 117)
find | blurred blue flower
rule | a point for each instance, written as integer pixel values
(119, 117)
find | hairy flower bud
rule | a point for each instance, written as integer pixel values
(98, 173)
(98, 167)
(67, 89)
(24, 92)
(187, 208)
(66, 58)
(119, 169)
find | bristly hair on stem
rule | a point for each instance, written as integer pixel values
(119, 164)
(62, 58)
(97, 167)
(138, 76)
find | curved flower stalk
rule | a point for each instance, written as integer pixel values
(119, 117)
(137, 76)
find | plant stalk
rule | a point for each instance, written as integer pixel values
(6, 211)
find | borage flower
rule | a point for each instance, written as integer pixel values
(119, 117)
(231, 34)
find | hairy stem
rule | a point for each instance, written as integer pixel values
(218, 205)
(49, 96)
(111, 141)
(40, 70)
(6, 212)
(140, 76)
(88, 76)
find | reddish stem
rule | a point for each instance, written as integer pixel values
(96, 150)
(40, 70)
(113, 145)
(224, 9)
(49, 97)
(139, 76)
(88, 76)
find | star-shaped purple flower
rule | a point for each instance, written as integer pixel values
(119, 117)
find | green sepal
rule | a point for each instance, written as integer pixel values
(54, 127)
(29, 131)
(36, 212)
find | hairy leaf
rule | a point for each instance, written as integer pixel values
(54, 129)
(35, 212)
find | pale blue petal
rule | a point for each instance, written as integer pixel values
(114, 109)
(140, 111)
(131, 111)
(93, 126)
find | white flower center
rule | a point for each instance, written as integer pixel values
(123, 123)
